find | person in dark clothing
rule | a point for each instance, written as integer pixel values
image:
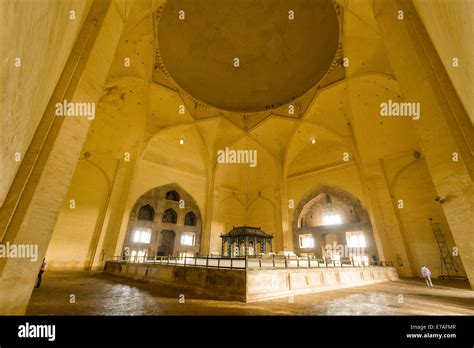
(374, 260)
(40, 274)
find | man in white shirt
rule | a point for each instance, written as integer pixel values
(425, 272)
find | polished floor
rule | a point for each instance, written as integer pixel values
(97, 293)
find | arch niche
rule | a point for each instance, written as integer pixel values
(336, 223)
(157, 224)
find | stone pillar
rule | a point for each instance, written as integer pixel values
(110, 240)
(444, 127)
(369, 203)
(207, 226)
(57, 145)
(393, 241)
(283, 236)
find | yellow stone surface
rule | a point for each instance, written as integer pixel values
(148, 131)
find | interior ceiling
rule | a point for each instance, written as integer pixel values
(341, 112)
(280, 59)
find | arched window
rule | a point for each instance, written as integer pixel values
(172, 196)
(146, 213)
(190, 219)
(170, 216)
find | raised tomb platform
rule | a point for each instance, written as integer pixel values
(243, 282)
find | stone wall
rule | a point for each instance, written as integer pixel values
(28, 83)
(223, 284)
(268, 284)
(255, 284)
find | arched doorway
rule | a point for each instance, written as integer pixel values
(190, 219)
(146, 213)
(159, 225)
(170, 216)
(332, 222)
(166, 243)
(329, 248)
(172, 195)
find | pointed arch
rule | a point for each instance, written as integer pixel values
(170, 216)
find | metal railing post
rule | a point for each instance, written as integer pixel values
(231, 263)
(185, 260)
(286, 263)
(207, 261)
(218, 263)
(309, 262)
(297, 262)
(246, 262)
(195, 261)
(260, 263)
(273, 260)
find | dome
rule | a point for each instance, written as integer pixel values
(247, 55)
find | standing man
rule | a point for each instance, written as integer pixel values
(40, 274)
(125, 254)
(425, 272)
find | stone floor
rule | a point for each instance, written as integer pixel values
(97, 293)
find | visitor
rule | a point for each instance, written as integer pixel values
(125, 254)
(374, 260)
(425, 272)
(40, 274)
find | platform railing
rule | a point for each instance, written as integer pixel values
(264, 262)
